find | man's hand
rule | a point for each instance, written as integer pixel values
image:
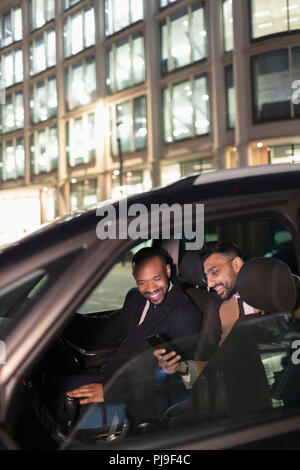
(92, 393)
(170, 362)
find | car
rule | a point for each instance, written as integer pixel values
(61, 285)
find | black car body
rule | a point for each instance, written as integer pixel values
(48, 276)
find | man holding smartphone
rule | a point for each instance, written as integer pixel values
(157, 306)
(222, 262)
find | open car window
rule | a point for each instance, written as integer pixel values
(253, 378)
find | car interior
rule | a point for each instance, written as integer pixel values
(227, 388)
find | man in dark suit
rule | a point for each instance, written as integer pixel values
(157, 305)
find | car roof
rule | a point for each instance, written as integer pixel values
(198, 187)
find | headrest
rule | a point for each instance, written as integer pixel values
(191, 269)
(267, 284)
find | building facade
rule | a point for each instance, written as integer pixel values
(102, 98)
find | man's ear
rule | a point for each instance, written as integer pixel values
(168, 269)
(237, 263)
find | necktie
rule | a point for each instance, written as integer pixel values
(241, 308)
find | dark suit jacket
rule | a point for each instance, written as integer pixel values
(177, 316)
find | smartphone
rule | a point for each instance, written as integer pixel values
(163, 341)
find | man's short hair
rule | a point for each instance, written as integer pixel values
(225, 248)
(147, 253)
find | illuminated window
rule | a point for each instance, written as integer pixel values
(269, 17)
(42, 52)
(183, 38)
(81, 140)
(288, 153)
(272, 84)
(40, 12)
(83, 194)
(227, 25)
(126, 63)
(11, 68)
(165, 3)
(44, 151)
(79, 31)
(128, 123)
(12, 161)
(70, 3)
(230, 97)
(186, 109)
(121, 13)
(133, 182)
(12, 113)
(80, 83)
(43, 100)
(11, 27)
(175, 171)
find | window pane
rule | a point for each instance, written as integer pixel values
(110, 81)
(76, 36)
(39, 59)
(180, 41)
(269, 17)
(53, 148)
(89, 23)
(78, 151)
(41, 109)
(296, 74)
(123, 66)
(168, 135)
(272, 85)
(294, 15)
(91, 136)
(182, 111)
(77, 84)
(10, 163)
(201, 100)
(9, 122)
(8, 39)
(140, 123)
(18, 28)
(124, 125)
(39, 16)
(90, 79)
(164, 47)
(41, 152)
(50, 9)
(51, 49)
(18, 66)
(198, 32)
(228, 25)
(121, 14)
(19, 110)
(138, 60)
(20, 158)
(230, 97)
(136, 10)
(8, 70)
(52, 97)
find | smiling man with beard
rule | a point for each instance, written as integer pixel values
(222, 262)
(157, 306)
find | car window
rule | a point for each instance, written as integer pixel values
(253, 378)
(263, 238)
(110, 293)
(18, 297)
